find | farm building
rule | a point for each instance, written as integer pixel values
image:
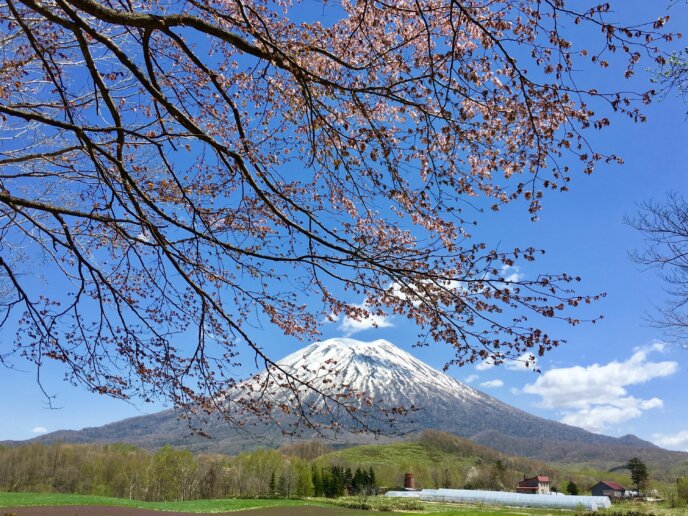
(610, 489)
(534, 485)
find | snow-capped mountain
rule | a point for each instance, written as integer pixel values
(388, 388)
(380, 375)
(379, 369)
(384, 374)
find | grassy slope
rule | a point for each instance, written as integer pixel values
(392, 454)
(432, 449)
(428, 448)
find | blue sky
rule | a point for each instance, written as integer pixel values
(616, 377)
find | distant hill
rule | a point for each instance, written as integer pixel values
(391, 377)
(439, 459)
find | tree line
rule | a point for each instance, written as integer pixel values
(297, 470)
(338, 481)
(169, 474)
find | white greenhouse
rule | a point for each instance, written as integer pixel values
(553, 501)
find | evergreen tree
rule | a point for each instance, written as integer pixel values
(327, 483)
(336, 482)
(572, 488)
(283, 486)
(347, 481)
(358, 481)
(272, 484)
(639, 473)
(318, 488)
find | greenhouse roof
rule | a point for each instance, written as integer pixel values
(558, 501)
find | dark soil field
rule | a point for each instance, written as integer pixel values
(125, 511)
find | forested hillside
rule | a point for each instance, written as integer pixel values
(302, 469)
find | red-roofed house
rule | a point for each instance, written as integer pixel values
(534, 485)
(610, 489)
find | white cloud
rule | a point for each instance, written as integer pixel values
(515, 364)
(595, 396)
(331, 318)
(599, 417)
(471, 378)
(350, 326)
(515, 391)
(485, 365)
(657, 345)
(39, 430)
(525, 362)
(492, 384)
(677, 441)
(416, 293)
(404, 293)
(511, 273)
(144, 237)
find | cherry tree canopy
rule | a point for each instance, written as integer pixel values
(184, 168)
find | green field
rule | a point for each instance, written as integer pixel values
(227, 505)
(376, 503)
(200, 506)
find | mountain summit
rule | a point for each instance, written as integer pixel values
(388, 377)
(386, 374)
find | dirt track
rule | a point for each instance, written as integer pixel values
(123, 511)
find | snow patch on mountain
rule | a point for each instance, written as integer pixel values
(378, 369)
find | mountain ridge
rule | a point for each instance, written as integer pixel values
(389, 376)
